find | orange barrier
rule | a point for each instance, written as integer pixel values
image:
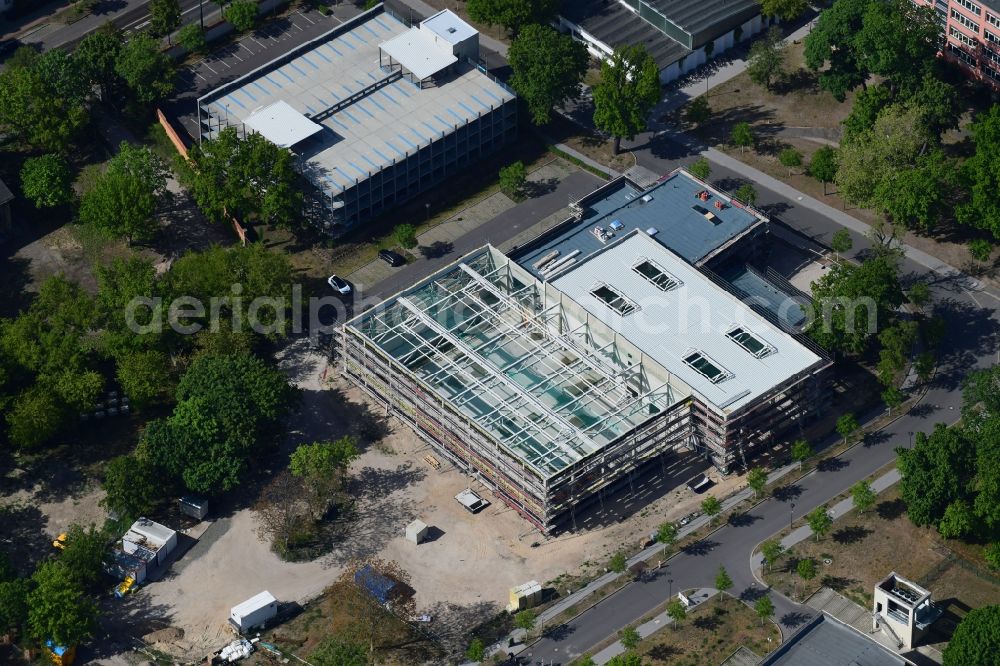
(175, 139)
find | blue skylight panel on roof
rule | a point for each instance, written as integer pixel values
(235, 101)
(334, 49)
(350, 117)
(480, 102)
(368, 28)
(267, 77)
(383, 25)
(406, 141)
(386, 94)
(309, 62)
(261, 88)
(297, 68)
(364, 174)
(467, 108)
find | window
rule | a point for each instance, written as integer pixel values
(993, 19)
(613, 299)
(965, 20)
(962, 37)
(705, 367)
(971, 6)
(659, 277)
(750, 342)
(990, 37)
(962, 55)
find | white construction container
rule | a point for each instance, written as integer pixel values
(154, 536)
(254, 612)
(416, 531)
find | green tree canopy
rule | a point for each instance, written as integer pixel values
(806, 568)
(121, 204)
(47, 181)
(244, 178)
(766, 60)
(547, 69)
(764, 608)
(512, 14)
(148, 72)
(982, 172)
(976, 641)
(801, 450)
(192, 38)
(757, 479)
(241, 13)
(742, 135)
(937, 471)
(819, 521)
(786, 10)
(771, 551)
(863, 496)
(711, 506)
(44, 103)
(336, 651)
(132, 487)
(58, 608)
(829, 47)
(628, 90)
(698, 110)
(868, 104)
(97, 54)
(629, 638)
(746, 193)
(513, 178)
(898, 40)
(164, 16)
(84, 553)
(789, 157)
(823, 165)
(405, 235)
(700, 168)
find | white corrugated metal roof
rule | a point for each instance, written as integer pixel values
(697, 315)
(153, 531)
(281, 124)
(253, 603)
(448, 26)
(418, 53)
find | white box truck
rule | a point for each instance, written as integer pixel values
(254, 612)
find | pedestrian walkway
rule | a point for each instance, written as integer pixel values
(661, 621)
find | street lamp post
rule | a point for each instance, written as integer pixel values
(670, 588)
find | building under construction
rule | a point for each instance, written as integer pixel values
(550, 389)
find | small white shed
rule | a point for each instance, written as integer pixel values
(254, 612)
(416, 531)
(151, 535)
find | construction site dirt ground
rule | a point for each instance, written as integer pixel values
(461, 575)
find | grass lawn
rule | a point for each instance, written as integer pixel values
(709, 634)
(863, 549)
(396, 642)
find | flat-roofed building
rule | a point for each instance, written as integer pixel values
(680, 35)
(376, 112)
(550, 391)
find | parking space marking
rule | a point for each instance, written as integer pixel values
(257, 43)
(210, 68)
(306, 18)
(297, 26)
(201, 77)
(247, 48)
(238, 58)
(226, 64)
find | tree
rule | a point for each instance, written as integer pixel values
(771, 550)
(58, 608)
(806, 568)
(897, 40)
(97, 55)
(746, 193)
(283, 513)
(786, 10)
(918, 197)
(47, 181)
(711, 506)
(585, 660)
(13, 603)
(629, 638)
(192, 38)
(851, 302)
(618, 562)
(143, 375)
(320, 466)
(764, 608)
(863, 496)
(666, 534)
(241, 13)
(976, 641)
(980, 250)
(526, 620)
(892, 397)
(757, 479)
(790, 158)
(742, 136)
(476, 650)
(939, 103)
(981, 171)
(829, 47)
(819, 521)
(958, 520)
(512, 14)
(847, 426)
(676, 611)
(44, 102)
(924, 366)
(34, 419)
(698, 110)
(627, 92)
(335, 651)
(823, 165)
(919, 294)
(164, 16)
(766, 60)
(547, 68)
(148, 72)
(132, 487)
(801, 451)
(700, 169)
(372, 617)
(868, 104)
(625, 659)
(723, 582)
(992, 555)
(121, 204)
(245, 177)
(512, 179)
(937, 471)
(83, 555)
(406, 235)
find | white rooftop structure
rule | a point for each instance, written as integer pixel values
(448, 26)
(418, 53)
(679, 318)
(282, 125)
(253, 603)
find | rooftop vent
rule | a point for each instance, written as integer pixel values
(647, 198)
(709, 215)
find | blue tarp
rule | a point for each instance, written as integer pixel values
(377, 585)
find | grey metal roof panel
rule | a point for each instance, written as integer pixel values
(694, 17)
(827, 642)
(5, 194)
(613, 24)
